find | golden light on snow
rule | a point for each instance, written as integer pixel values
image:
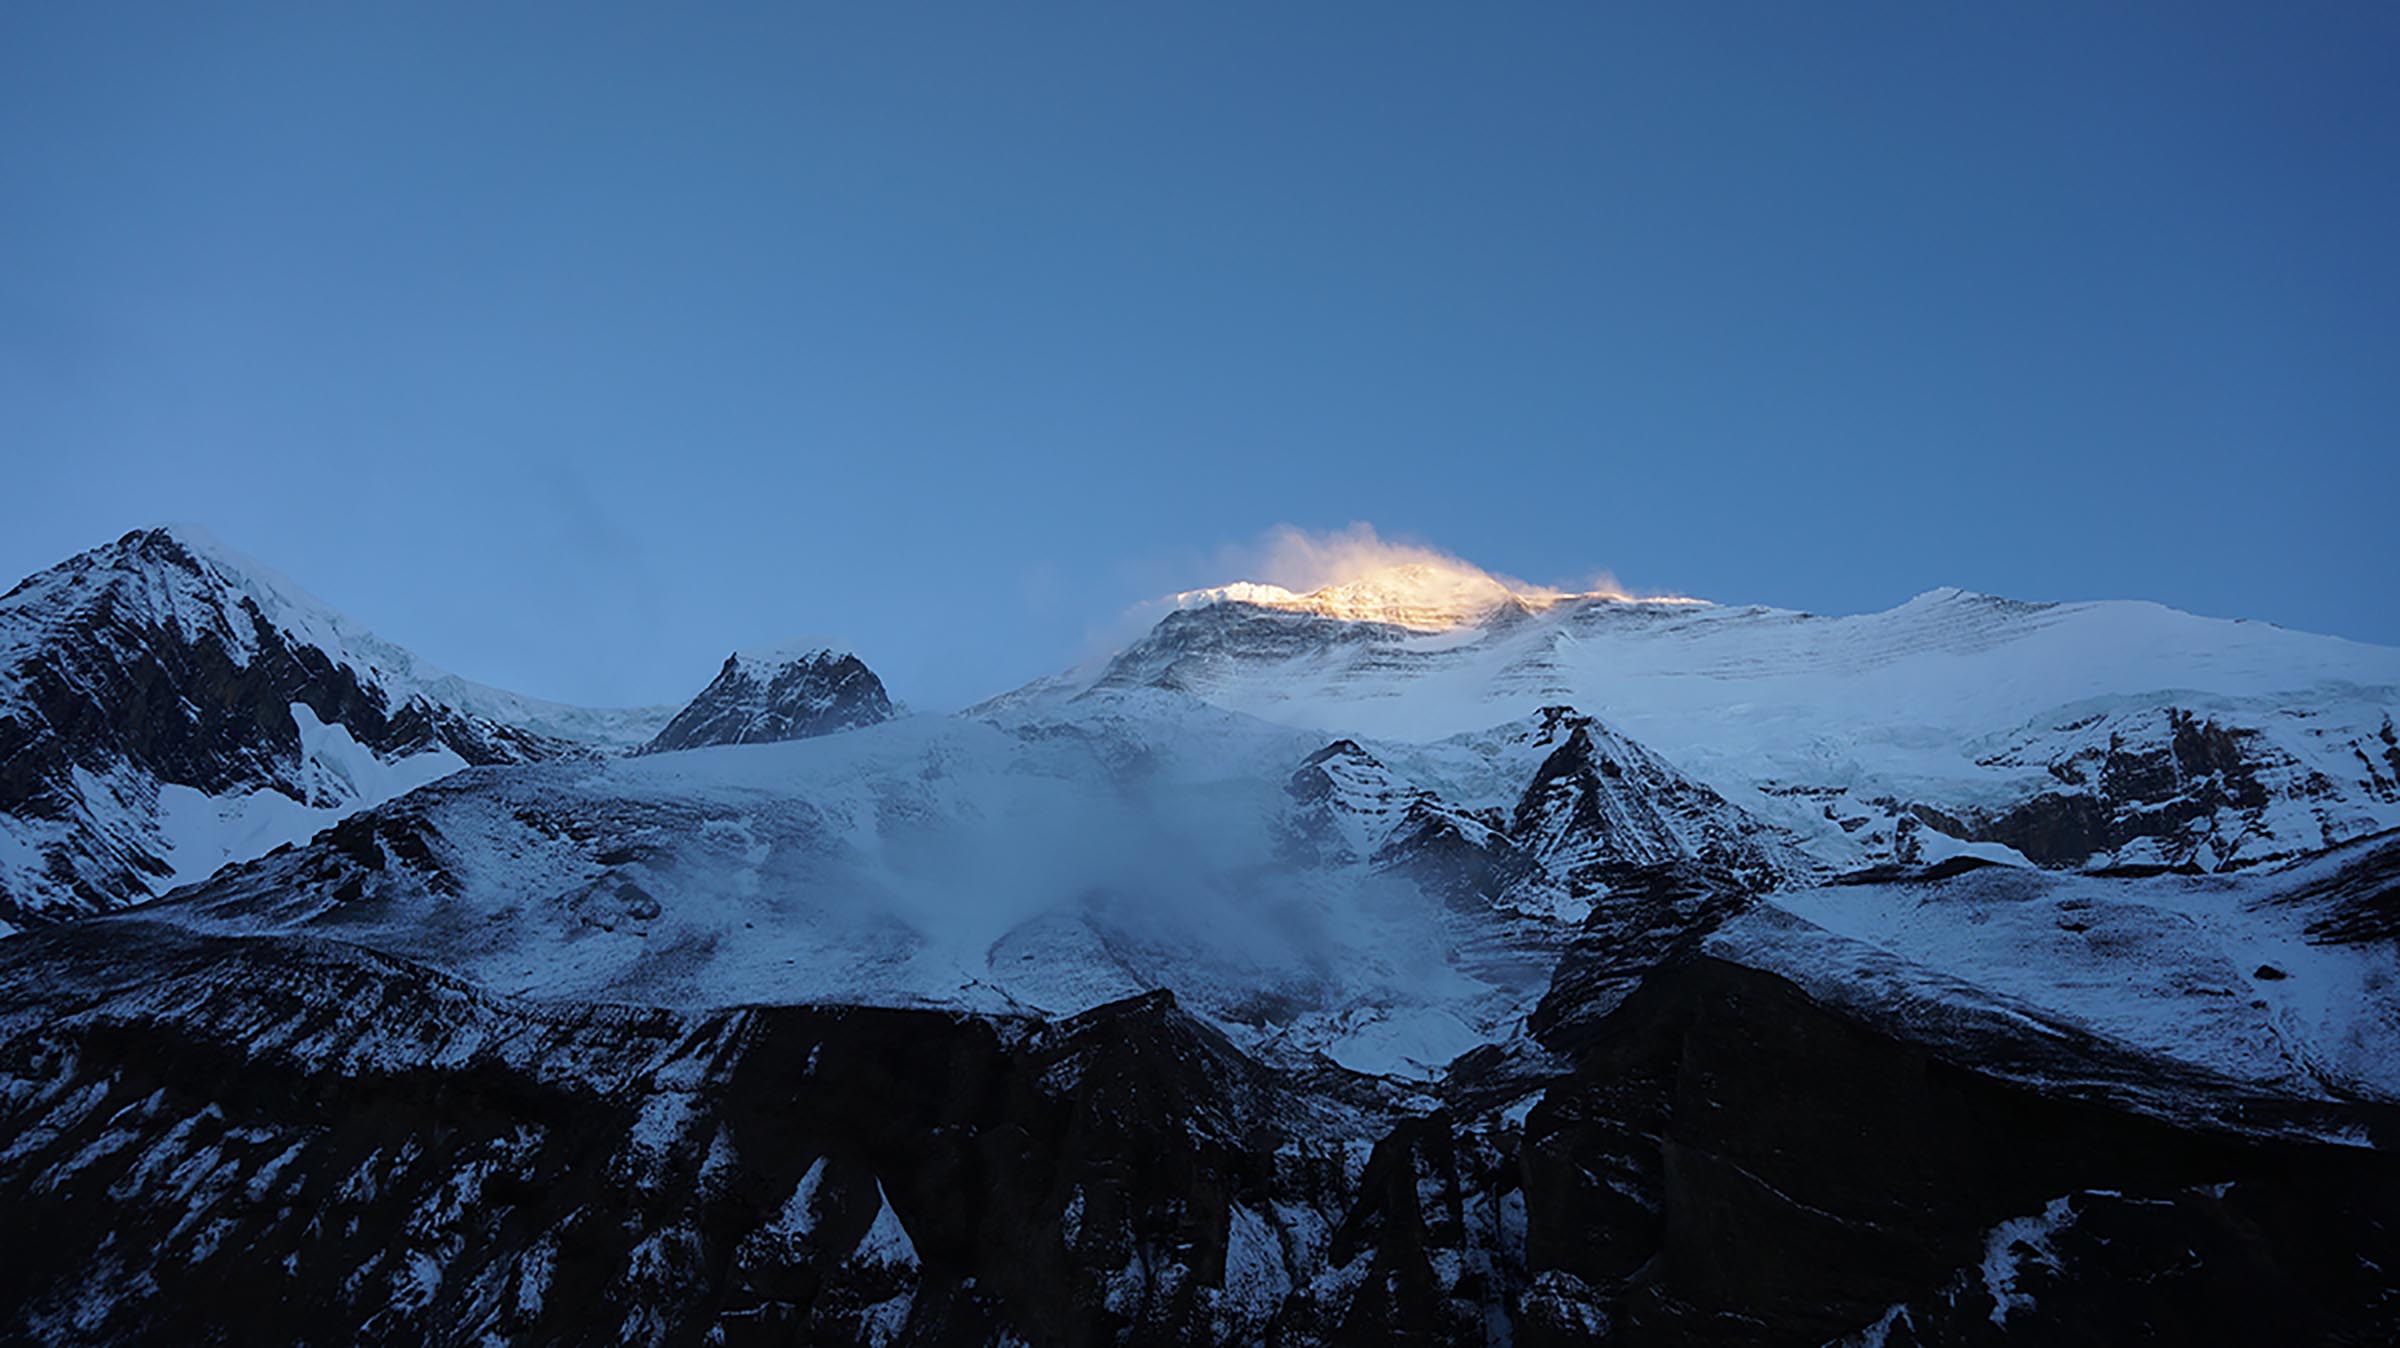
(1358, 576)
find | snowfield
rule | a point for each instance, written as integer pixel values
(924, 862)
(2222, 973)
(1964, 700)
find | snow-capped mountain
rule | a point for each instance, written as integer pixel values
(2089, 735)
(167, 705)
(1422, 957)
(789, 692)
(1012, 865)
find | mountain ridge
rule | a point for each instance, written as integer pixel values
(167, 704)
(1662, 974)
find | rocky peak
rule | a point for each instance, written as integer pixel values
(1348, 801)
(170, 578)
(167, 705)
(793, 692)
(1586, 813)
(1601, 803)
(1329, 769)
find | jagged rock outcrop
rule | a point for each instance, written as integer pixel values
(2172, 787)
(1588, 810)
(1601, 805)
(766, 697)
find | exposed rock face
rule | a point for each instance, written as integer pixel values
(2168, 787)
(161, 661)
(1602, 805)
(773, 696)
(298, 1140)
(399, 1159)
(1192, 649)
(1594, 811)
(1349, 806)
(1731, 1162)
(1656, 917)
(2359, 904)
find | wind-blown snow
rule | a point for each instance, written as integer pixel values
(1423, 596)
(1717, 683)
(1136, 826)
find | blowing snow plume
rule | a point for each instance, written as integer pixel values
(1358, 575)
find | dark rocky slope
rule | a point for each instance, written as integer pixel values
(1730, 1162)
(294, 1140)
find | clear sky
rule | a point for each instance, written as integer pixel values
(574, 345)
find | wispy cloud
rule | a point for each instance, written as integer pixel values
(1304, 560)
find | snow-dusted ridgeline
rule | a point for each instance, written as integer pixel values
(2091, 734)
(168, 705)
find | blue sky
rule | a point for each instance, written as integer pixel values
(575, 345)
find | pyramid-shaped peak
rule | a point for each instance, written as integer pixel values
(789, 691)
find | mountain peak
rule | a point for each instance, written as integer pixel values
(801, 650)
(793, 690)
(175, 576)
(1424, 596)
(193, 547)
(168, 705)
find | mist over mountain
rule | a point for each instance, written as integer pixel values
(1419, 953)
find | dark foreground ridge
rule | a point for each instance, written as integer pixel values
(295, 1140)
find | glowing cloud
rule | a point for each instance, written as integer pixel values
(1358, 575)
(1301, 561)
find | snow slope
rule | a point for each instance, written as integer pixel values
(2236, 975)
(1973, 706)
(1693, 890)
(1016, 862)
(1186, 817)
